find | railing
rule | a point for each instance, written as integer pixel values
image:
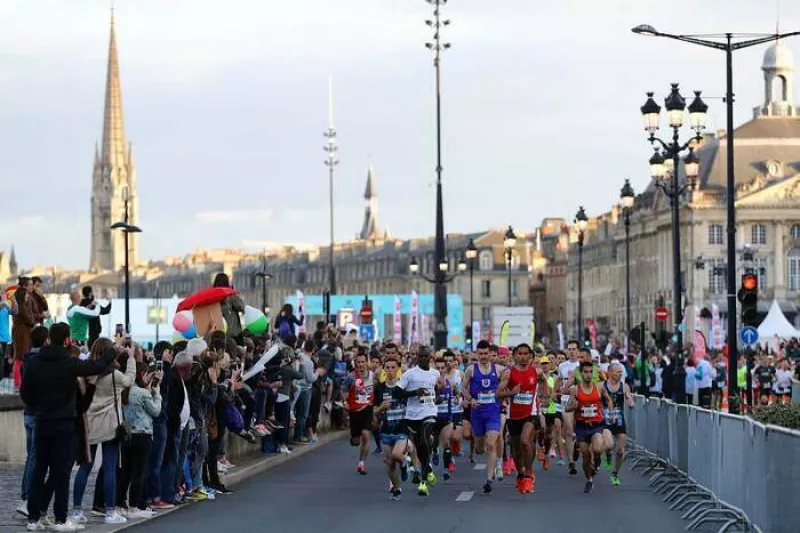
(718, 467)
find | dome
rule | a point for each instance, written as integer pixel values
(778, 57)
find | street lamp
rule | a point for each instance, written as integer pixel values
(581, 222)
(725, 42)
(440, 291)
(265, 276)
(331, 161)
(440, 275)
(664, 166)
(127, 229)
(628, 197)
(509, 242)
(471, 254)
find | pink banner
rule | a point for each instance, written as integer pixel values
(413, 319)
(700, 348)
(716, 328)
(397, 325)
(592, 332)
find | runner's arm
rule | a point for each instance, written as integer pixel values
(572, 403)
(502, 388)
(467, 378)
(606, 398)
(629, 396)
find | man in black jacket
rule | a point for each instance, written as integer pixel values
(48, 388)
(177, 414)
(94, 322)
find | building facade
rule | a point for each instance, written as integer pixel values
(767, 199)
(114, 197)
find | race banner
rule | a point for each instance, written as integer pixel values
(413, 319)
(301, 308)
(716, 328)
(397, 324)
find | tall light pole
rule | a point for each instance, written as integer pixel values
(440, 275)
(628, 197)
(265, 276)
(127, 229)
(331, 161)
(157, 306)
(510, 240)
(471, 254)
(725, 42)
(581, 222)
(440, 290)
(671, 152)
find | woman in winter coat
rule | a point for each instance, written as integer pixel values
(103, 420)
(286, 321)
(231, 307)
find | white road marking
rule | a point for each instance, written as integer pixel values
(465, 496)
(480, 466)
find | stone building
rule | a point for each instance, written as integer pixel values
(114, 197)
(767, 199)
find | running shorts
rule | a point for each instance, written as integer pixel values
(442, 423)
(515, 426)
(483, 422)
(584, 432)
(618, 429)
(360, 421)
(391, 440)
(550, 418)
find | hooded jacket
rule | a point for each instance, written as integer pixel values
(49, 386)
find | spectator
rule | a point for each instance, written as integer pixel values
(23, 322)
(304, 384)
(49, 388)
(41, 311)
(162, 352)
(142, 406)
(178, 414)
(5, 336)
(231, 307)
(79, 318)
(282, 403)
(104, 419)
(286, 321)
(201, 384)
(94, 322)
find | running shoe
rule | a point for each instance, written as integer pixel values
(445, 475)
(552, 452)
(415, 478)
(68, 526)
(36, 526)
(527, 485)
(435, 459)
(471, 459)
(506, 468)
(487, 487)
(23, 508)
(572, 470)
(115, 518)
(431, 479)
(422, 489)
(498, 473)
(404, 472)
(540, 454)
(197, 495)
(452, 466)
(575, 453)
(607, 464)
(376, 451)
(588, 487)
(159, 505)
(361, 469)
(615, 480)
(79, 518)
(520, 485)
(562, 461)
(397, 494)
(546, 463)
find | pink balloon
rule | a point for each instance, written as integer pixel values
(182, 321)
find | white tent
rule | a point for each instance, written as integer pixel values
(776, 325)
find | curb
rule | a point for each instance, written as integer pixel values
(247, 471)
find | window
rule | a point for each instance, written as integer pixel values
(793, 269)
(486, 288)
(716, 275)
(514, 285)
(795, 231)
(486, 314)
(715, 234)
(761, 271)
(486, 261)
(758, 234)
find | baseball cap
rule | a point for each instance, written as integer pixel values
(544, 359)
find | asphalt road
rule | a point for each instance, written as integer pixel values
(322, 492)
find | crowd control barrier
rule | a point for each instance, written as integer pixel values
(717, 467)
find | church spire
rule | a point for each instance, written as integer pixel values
(370, 229)
(113, 125)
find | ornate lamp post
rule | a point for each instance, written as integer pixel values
(471, 254)
(627, 196)
(669, 155)
(127, 229)
(440, 275)
(509, 242)
(581, 222)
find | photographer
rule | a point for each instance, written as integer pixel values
(201, 385)
(287, 374)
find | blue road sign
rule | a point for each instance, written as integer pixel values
(367, 332)
(748, 335)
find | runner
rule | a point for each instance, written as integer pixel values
(359, 387)
(391, 411)
(501, 355)
(586, 401)
(568, 430)
(552, 416)
(418, 386)
(449, 420)
(520, 383)
(483, 378)
(620, 394)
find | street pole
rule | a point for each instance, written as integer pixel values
(440, 289)
(728, 46)
(471, 293)
(127, 271)
(331, 162)
(264, 284)
(627, 215)
(680, 371)
(508, 272)
(580, 287)
(157, 305)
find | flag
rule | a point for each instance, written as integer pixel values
(716, 328)
(504, 333)
(397, 325)
(301, 307)
(413, 319)
(561, 344)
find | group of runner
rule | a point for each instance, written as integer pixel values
(516, 408)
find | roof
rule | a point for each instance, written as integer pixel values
(778, 57)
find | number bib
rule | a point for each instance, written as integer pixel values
(486, 398)
(394, 415)
(427, 400)
(523, 398)
(589, 411)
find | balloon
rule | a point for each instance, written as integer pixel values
(182, 321)
(177, 337)
(254, 320)
(191, 332)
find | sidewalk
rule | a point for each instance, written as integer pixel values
(11, 476)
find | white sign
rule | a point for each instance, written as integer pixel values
(519, 324)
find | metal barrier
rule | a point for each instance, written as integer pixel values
(716, 467)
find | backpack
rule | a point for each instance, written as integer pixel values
(285, 329)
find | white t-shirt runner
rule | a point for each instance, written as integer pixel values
(419, 408)
(563, 372)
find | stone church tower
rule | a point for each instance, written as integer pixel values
(114, 197)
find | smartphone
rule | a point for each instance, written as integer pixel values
(119, 330)
(159, 366)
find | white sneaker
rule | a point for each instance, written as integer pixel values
(46, 522)
(36, 526)
(79, 518)
(140, 513)
(222, 467)
(23, 508)
(115, 518)
(284, 449)
(68, 526)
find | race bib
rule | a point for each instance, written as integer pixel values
(428, 400)
(589, 411)
(362, 398)
(523, 398)
(443, 408)
(564, 399)
(394, 415)
(341, 369)
(485, 398)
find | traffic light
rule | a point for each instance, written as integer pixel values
(587, 338)
(468, 337)
(748, 296)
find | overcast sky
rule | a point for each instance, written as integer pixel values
(225, 103)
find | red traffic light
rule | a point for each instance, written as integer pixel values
(749, 282)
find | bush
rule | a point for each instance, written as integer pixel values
(787, 416)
